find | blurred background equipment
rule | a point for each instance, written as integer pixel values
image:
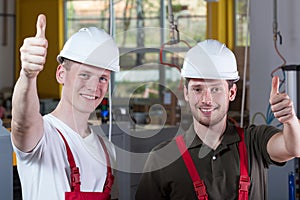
(6, 169)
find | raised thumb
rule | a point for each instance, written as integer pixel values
(275, 85)
(41, 26)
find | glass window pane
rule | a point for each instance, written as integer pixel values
(138, 33)
(241, 23)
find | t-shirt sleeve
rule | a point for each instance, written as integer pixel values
(36, 153)
(258, 137)
(28, 157)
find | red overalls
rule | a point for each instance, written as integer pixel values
(199, 185)
(75, 193)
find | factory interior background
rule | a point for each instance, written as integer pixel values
(147, 103)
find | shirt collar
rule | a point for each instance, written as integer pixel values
(230, 136)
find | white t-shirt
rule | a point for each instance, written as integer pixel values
(45, 172)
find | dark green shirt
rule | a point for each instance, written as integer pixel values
(166, 176)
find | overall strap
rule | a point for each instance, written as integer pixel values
(109, 178)
(244, 173)
(199, 185)
(75, 175)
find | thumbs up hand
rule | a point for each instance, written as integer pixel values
(281, 104)
(34, 50)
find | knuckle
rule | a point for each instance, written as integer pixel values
(22, 49)
(44, 52)
(24, 58)
(291, 103)
(285, 95)
(43, 60)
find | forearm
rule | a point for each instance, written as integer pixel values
(291, 134)
(285, 145)
(26, 118)
(25, 102)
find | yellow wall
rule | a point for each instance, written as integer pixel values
(220, 21)
(26, 15)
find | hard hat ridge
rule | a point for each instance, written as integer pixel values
(210, 59)
(92, 46)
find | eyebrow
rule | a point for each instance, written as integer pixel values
(90, 72)
(84, 71)
(206, 84)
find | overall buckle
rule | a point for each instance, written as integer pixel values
(200, 189)
(244, 183)
(75, 177)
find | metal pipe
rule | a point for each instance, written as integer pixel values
(162, 72)
(112, 33)
(111, 18)
(275, 23)
(245, 67)
(170, 12)
(4, 28)
(171, 20)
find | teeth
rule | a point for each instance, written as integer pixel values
(207, 110)
(89, 97)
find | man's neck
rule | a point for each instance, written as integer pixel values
(76, 121)
(210, 135)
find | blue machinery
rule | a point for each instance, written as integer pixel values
(292, 74)
(6, 169)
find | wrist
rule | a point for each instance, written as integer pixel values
(28, 73)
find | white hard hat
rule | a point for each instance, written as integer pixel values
(92, 46)
(210, 59)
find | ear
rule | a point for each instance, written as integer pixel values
(60, 73)
(185, 92)
(232, 92)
